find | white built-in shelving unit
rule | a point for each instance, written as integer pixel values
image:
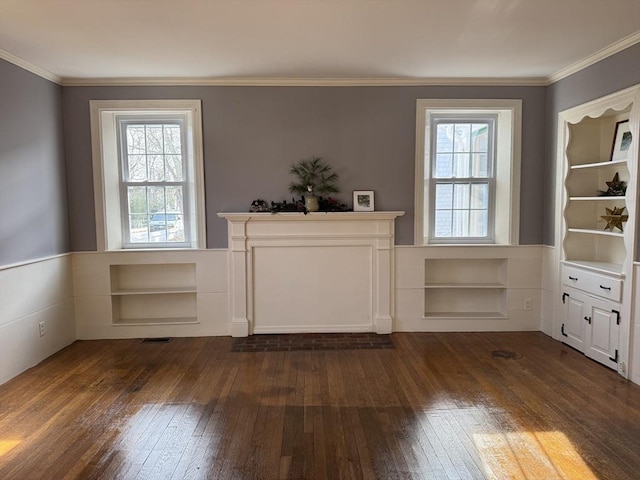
(143, 294)
(465, 288)
(595, 262)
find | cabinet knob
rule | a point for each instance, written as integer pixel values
(588, 319)
(572, 278)
(605, 288)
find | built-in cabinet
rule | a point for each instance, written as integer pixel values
(598, 212)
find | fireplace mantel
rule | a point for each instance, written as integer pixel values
(320, 272)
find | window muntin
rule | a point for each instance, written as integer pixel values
(461, 183)
(153, 181)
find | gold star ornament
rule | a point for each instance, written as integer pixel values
(614, 218)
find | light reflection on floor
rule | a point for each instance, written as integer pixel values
(530, 455)
(7, 445)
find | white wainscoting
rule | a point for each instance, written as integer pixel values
(467, 288)
(30, 293)
(549, 291)
(321, 272)
(144, 294)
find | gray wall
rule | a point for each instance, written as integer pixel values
(33, 198)
(603, 78)
(253, 134)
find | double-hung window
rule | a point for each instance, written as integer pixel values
(148, 174)
(467, 171)
(461, 181)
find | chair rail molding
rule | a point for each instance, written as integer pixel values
(320, 272)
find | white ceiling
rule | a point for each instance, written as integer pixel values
(314, 39)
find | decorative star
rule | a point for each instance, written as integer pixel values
(616, 188)
(614, 218)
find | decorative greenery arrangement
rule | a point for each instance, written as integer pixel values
(314, 176)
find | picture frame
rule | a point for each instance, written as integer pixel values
(363, 201)
(621, 141)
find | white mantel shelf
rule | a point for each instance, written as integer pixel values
(320, 272)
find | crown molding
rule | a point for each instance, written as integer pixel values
(302, 82)
(612, 49)
(30, 67)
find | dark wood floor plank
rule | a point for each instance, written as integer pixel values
(437, 406)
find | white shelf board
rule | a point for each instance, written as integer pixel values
(598, 267)
(598, 164)
(464, 315)
(596, 232)
(156, 321)
(466, 285)
(153, 291)
(591, 199)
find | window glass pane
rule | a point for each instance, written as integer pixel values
(444, 165)
(461, 196)
(156, 168)
(174, 199)
(462, 137)
(442, 223)
(138, 228)
(174, 168)
(172, 139)
(135, 139)
(478, 223)
(461, 165)
(444, 196)
(480, 168)
(137, 168)
(480, 195)
(444, 137)
(137, 199)
(155, 196)
(460, 226)
(154, 139)
(479, 137)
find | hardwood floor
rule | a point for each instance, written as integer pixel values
(438, 406)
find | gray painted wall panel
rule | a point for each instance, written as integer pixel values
(608, 76)
(33, 198)
(253, 134)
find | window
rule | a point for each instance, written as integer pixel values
(148, 174)
(467, 166)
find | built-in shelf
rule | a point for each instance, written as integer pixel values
(590, 231)
(599, 164)
(466, 285)
(465, 288)
(465, 315)
(153, 291)
(153, 294)
(597, 199)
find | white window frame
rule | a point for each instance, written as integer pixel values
(104, 114)
(506, 228)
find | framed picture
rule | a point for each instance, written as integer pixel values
(363, 200)
(621, 141)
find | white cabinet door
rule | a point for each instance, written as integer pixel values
(574, 324)
(603, 332)
(591, 325)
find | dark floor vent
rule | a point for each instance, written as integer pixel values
(505, 354)
(156, 340)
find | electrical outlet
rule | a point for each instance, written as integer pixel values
(527, 304)
(41, 327)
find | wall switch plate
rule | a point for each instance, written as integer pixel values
(527, 304)
(41, 328)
